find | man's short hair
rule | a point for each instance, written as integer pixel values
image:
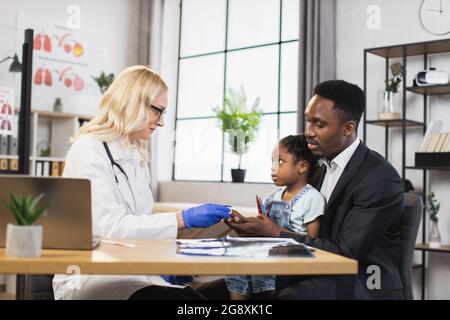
(349, 99)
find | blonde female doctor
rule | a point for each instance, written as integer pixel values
(110, 150)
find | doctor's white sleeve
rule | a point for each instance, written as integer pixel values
(111, 218)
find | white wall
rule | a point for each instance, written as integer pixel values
(109, 29)
(235, 194)
(112, 23)
(399, 24)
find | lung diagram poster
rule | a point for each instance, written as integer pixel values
(62, 65)
(6, 111)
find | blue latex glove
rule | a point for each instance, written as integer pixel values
(178, 280)
(205, 215)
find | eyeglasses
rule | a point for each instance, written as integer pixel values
(159, 111)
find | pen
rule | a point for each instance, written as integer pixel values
(260, 205)
(117, 243)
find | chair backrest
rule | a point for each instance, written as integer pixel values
(34, 287)
(410, 220)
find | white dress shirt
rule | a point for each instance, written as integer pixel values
(335, 168)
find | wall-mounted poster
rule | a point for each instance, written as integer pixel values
(63, 65)
(6, 111)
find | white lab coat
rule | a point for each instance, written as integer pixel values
(115, 214)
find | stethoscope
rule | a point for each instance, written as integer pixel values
(118, 166)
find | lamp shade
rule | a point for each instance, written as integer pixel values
(15, 66)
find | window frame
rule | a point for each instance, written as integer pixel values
(225, 52)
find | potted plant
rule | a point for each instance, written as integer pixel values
(57, 106)
(433, 207)
(104, 81)
(239, 124)
(390, 97)
(25, 238)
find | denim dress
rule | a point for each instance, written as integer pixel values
(280, 213)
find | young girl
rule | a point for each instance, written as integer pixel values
(297, 206)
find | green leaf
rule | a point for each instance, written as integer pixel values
(16, 213)
(36, 215)
(237, 122)
(17, 201)
(35, 201)
(24, 208)
(18, 205)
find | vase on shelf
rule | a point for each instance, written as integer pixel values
(434, 240)
(389, 105)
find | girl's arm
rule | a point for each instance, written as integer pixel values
(313, 228)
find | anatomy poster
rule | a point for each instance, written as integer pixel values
(6, 111)
(63, 61)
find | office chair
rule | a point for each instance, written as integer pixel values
(34, 287)
(410, 220)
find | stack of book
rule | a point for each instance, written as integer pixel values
(438, 143)
(8, 152)
(435, 148)
(49, 168)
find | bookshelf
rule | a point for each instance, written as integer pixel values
(52, 130)
(404, 51)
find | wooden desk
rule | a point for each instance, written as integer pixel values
(159, 257)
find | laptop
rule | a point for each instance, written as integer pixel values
(67, 222)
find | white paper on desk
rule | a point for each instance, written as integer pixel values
(262, 239)
(254, 251)
(232, 246)
(232, 241)
(210, 243)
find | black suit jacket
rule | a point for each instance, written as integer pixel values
(362, 220)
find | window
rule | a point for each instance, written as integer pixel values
(228, 44)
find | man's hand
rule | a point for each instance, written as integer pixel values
(260, 226)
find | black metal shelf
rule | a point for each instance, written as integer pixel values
(427, 168)
(9, 172)
(426, 247)
(431, 90)
(395, 123)
(412, 49)
(404, 51)
(417, 266)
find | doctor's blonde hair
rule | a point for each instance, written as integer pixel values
(123, 107)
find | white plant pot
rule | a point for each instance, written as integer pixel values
(23, 241)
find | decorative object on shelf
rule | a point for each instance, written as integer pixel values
(435, 16)
(24, 239)
(434, 240)
(431, 77)
(390, 96)
(434, 128)
(104, 81)
(15, 66)
(57, 106)
(43, 148)
(239, 125)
